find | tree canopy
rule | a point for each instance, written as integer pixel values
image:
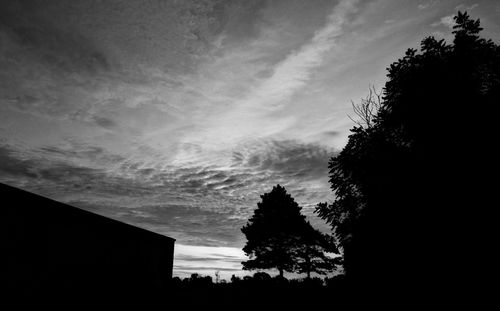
(407, 180)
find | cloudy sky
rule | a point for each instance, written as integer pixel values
(176, 115)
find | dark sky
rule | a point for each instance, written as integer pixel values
(176, 115)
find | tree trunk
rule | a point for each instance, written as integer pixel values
(308, 264)
(281, 272)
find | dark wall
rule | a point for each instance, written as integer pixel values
(53, 248)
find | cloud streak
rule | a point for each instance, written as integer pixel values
(256, 114)
(295, 70)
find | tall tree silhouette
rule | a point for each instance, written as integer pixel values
(278, 236)
(272, 232)
(409, 182)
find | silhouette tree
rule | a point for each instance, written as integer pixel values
(273, 231)
(405, 186)
(279, 237)
(313, 252)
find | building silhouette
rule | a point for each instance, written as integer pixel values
(53, 249)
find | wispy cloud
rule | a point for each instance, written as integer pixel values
(446, 21)
(255, 113)
(295, 70)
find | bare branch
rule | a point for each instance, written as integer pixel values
(367, 109)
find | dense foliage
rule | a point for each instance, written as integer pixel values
(410, 180)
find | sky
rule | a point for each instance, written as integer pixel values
(175, 116)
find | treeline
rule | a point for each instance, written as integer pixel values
(257, 279)
(258, 289)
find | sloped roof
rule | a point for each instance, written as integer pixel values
(19, 198)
